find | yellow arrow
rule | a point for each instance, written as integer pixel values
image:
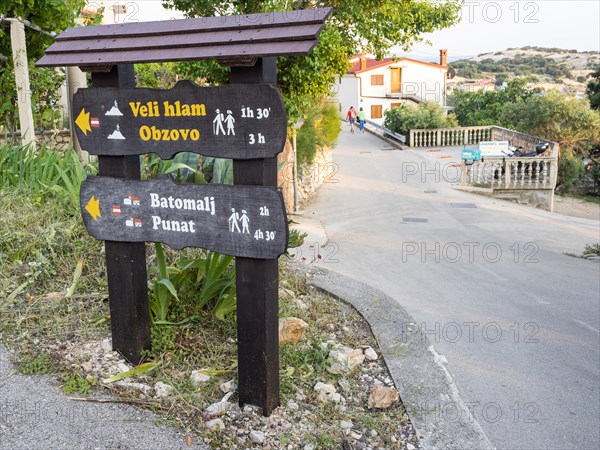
(83, 121)
(93, 207)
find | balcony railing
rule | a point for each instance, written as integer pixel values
(511, 173)
(531, 180)
(444, 137)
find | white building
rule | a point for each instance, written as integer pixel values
(377, 86)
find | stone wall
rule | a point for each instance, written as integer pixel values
(322, 170)
(59, 140)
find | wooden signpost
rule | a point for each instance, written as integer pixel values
(244, 121)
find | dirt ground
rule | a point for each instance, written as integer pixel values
(576, 208)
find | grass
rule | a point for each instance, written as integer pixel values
(586, 198)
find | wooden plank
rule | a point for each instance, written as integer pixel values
(200, 24)
(248, 221)
(291, 48)
(257, 282)
(192, 39)
(125, 262)
(240, 122)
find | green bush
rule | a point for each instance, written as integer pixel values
(424, 115)
(321, 128)
(570, 169)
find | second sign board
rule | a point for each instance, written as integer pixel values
(233, 121)
(246, 221)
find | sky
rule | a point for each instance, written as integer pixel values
(486, 26)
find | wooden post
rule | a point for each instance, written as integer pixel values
(257, 281)
(125, 262)
(19, 52)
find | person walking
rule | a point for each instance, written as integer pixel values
(351, 118)
(361, 120)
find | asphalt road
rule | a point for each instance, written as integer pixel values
(490, 285)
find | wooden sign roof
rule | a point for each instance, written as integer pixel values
(230, 39)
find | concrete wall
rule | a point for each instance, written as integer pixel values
(346, 91)
(540, 198)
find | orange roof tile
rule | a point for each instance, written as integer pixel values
(372, 63)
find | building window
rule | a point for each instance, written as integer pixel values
(376, 80)
(395, 105)
(376, 112)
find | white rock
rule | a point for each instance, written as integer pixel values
(123, 367)
(345, 424)
(345, 385)
(217, 409)
(215, 425)
(292, 405)
(336, 398)
(257, 437)
(355, 435)
(344, 359)
(309, 447)
(107, 345)
(146, 389)
(325, 392)
(301, 305)
(197, 377)
(324, 387)
(370, 354)
(286, 294)
(409, 446)
(228, 386)
(162, 390)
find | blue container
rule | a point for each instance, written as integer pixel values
(471, 154)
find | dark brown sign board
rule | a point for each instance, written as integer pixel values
(238, 122)
(242, 221)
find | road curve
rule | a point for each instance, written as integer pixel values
(488, 281)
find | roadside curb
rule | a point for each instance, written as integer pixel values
(425, 385)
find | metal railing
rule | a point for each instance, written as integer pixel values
(385, 132)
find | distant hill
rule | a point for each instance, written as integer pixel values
(567, 70)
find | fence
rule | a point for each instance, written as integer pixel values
(444, 137)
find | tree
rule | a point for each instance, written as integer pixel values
(49, 15)
(556, 117)
(593, 89)
(372, 26)
(485, 108)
